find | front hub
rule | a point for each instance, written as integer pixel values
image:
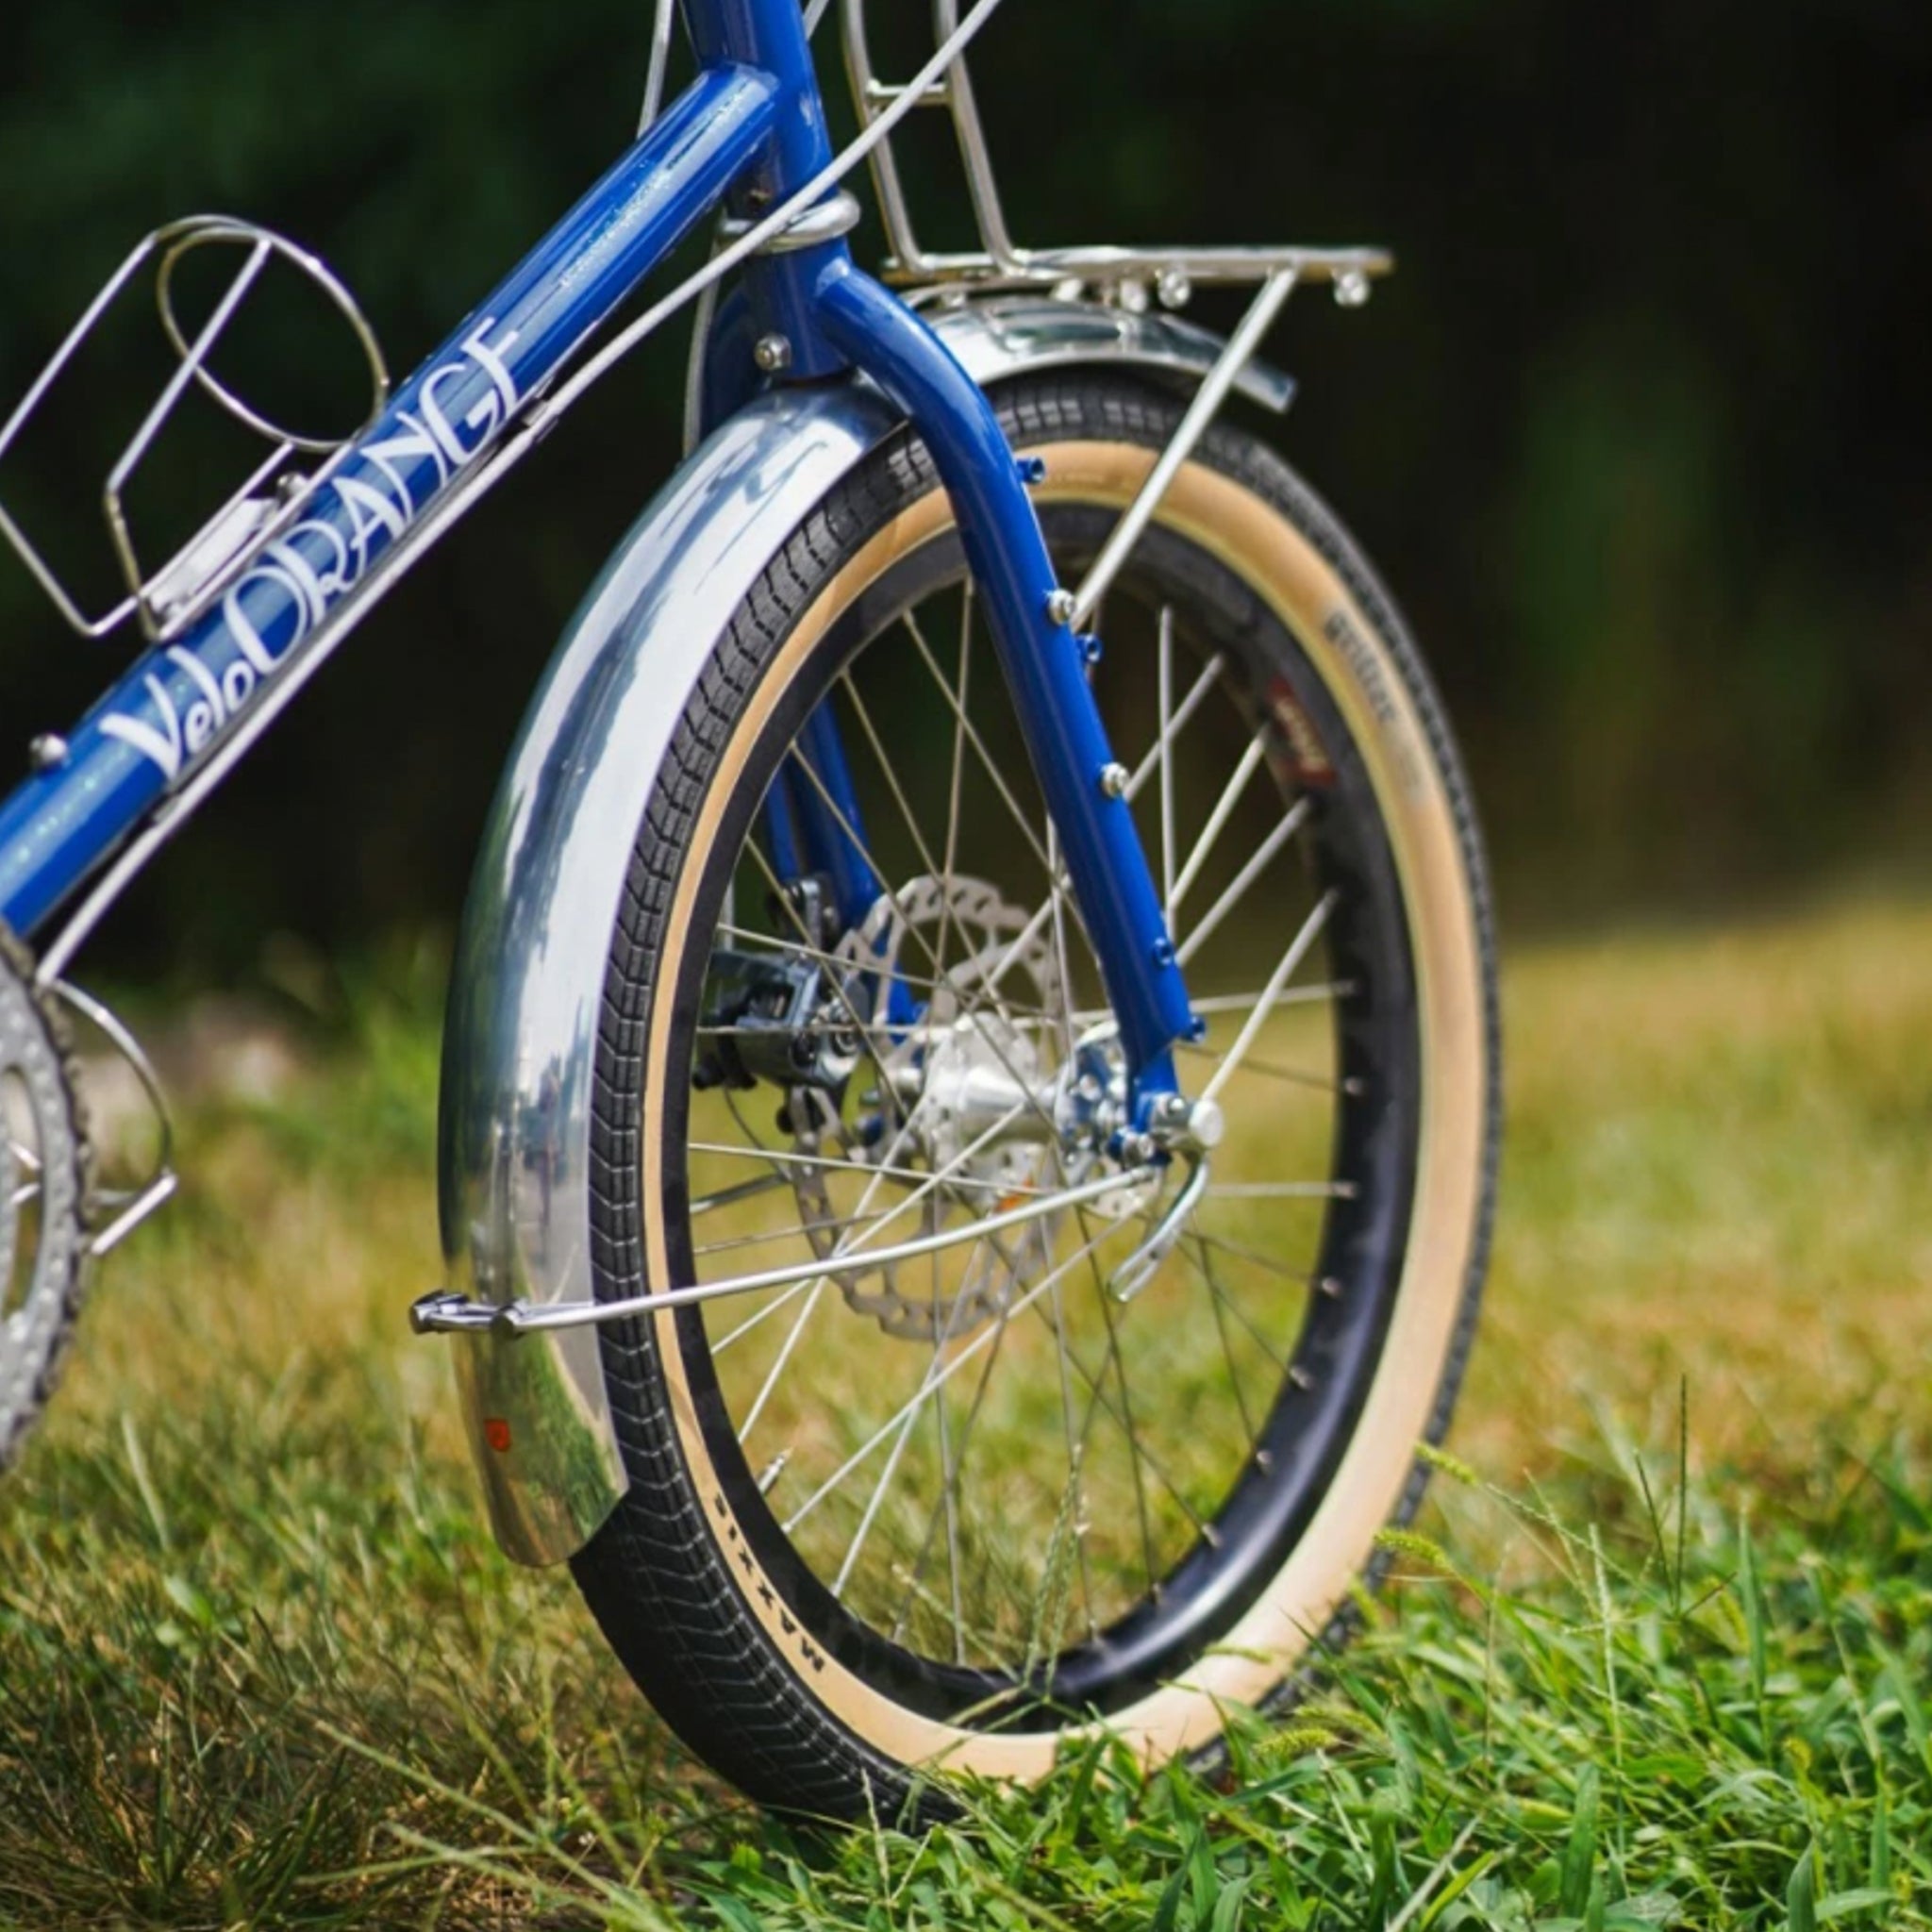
(970, 1108)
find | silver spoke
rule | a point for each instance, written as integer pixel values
(782, 1157)
(1123, 1420)
(1164, 695)
(805, 944)
(1217, 820)
(784, 1355)
(844, 1249)
(1234, 1002)
(744, 1190)
(1204, 1267)
(955, 783)
(781, 1300)
(949, 1478)
(950, 1465)
(890, 774)
(978, 743)
(846, 826)
(1075, 1444)
(970, 1006)
(1269, 1264)
(877, 1499)
(1076, 1464)
(923, 1393)
(1020, 1014)
(1297, 951)
(1136, 784)
(1149, 1562)
(1281, 1191)
(1292, 1076)
(1183, 711)
(782, 1234)
(1234, 1374)
(1239, 885)
(1035, 926)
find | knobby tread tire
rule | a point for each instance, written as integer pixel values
(654, 1575)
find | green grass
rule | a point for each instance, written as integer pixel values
(1666, 1660)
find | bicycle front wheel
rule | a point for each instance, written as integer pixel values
(895, 1518)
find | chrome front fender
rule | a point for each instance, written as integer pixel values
(520, 1037)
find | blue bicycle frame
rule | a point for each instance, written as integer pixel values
(749, 132)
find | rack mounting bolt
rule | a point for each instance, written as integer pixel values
(772, 354)
(1352, 289)
(1113, 781)
(1173, 288)
(1060, 605)
(48, 752)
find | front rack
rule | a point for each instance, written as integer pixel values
(167, 600)
(1126, 275)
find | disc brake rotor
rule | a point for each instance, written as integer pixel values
(43, 1192)
(979, 1031)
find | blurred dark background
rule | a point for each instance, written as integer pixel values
(1639, 434)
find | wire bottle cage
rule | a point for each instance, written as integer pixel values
(167, 600)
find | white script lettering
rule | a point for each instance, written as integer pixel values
(373, 507)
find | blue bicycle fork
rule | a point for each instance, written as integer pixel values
(829, 315)
(750, 129)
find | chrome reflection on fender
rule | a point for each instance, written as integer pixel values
(520, 1040)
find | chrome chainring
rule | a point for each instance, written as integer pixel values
(982, 1021)
(43, 1196)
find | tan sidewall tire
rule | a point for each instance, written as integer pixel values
(1265, 549)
